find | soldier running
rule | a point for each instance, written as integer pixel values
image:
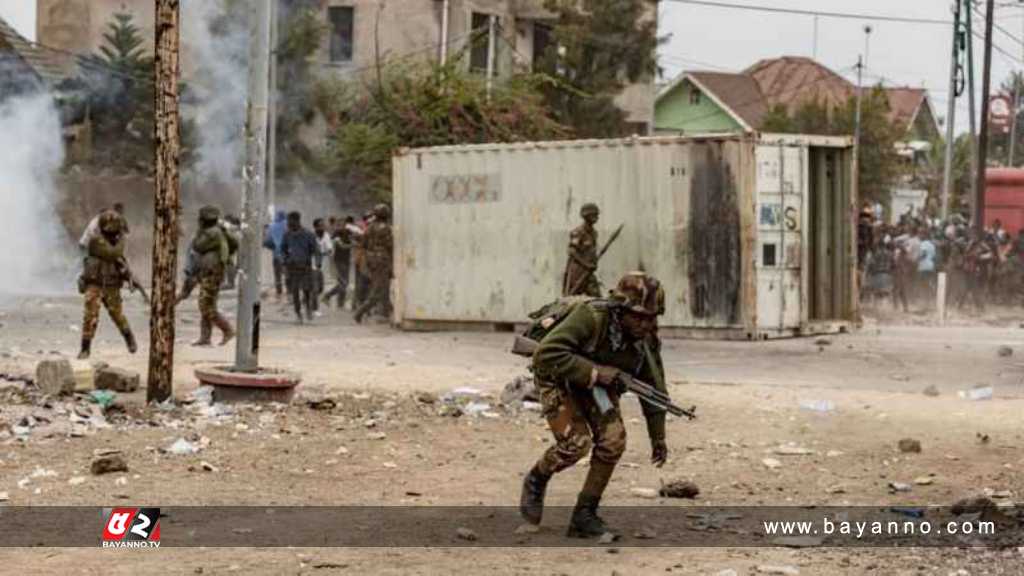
(212, 249)
(596, 340)
(379, 250)
(101, 281)
(579, 275)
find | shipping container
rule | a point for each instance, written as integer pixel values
(1004, 198)
(751, 235)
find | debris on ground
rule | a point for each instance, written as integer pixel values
(608, 538)
(821, 406)
(520, 390)
(649, 493)
(771, 463)
(116, 379)
(822, 342)
(1005, 351)
(466, 534)
(679, 489)
(527, 529)
(426, 398)
(896, 487)
(982, 438)
(979, 392)
(108, 464)
(931, 391)
(102, 397)
(323, 404)
(909, 445)
(781, 570)
(182, 447)
(924, 480)
(645, 533)
(973, 505)
(55, 377)
(792, 450)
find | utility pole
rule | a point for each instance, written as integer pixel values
(491, 25)
(272, 107)
(947, 174)
(861, 63)
(1013, 110)
(254, 179)
(167, 126)
(969, 38)
(986, 81)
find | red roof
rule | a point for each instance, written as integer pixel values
(792, 81)
(904, 104)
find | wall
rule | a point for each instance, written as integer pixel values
(674, 113)
(79, 25)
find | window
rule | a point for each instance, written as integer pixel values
(768, 255)
(481, 38)
(341, 20)
(694, 96)
(541, 42)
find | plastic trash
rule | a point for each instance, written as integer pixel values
(822, 406)
(182, 447)
(977, 393)
(102, 397)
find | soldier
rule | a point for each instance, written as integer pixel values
(102, 278)
(596, 340)
(379, 249)
(579, 275)
(212, 250)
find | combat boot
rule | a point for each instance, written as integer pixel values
(205, 332)
(86, 349)
(531, 502)
(226, 329)
(129, 340)
(585, 522)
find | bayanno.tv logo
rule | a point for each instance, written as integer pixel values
(131, 528)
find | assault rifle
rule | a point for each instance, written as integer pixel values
(575, 288)
(133, 281)
(649, 394)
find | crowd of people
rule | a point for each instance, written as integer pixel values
(901, 262)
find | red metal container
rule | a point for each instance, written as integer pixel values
(1004, 198)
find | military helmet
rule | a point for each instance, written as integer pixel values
(588, 209)
(209, 213)
(110, 222)
(640, 293)
(382, 211)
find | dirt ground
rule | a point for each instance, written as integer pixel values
(748, 395)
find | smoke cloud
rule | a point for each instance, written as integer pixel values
(215, 53)
(35, 254)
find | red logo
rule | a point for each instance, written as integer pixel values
(131, 528)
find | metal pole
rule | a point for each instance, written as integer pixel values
(160, 377)
(272, 99)
(856, 122)
(986, 87)
(254, 179)
(814, 51)
(969, 37)
(947, 174)
(490, 54)
(444, 32)
(1013, 122)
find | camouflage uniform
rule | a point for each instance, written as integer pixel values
(578, 278)
(212, 250)
(379, 263)
(102, 278)
(590, 339)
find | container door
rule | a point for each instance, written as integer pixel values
(830, 290)
(780, 227)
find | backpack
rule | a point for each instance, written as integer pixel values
(232, 241)
(547, 317)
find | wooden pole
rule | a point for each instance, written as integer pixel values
(159, 384)
(986, 87)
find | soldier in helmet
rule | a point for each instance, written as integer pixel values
(212, 250)
(580, 270)
(103, 276)
(596, 341)
(379, 250)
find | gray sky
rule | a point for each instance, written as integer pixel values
(724, 39)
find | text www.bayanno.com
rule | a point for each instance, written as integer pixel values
(860, 529)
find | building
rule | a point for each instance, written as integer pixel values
(360, 31)
(700, 101)
(24, 67)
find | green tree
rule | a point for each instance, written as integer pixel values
(598, 48)
(300, 37)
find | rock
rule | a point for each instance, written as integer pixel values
(207, 467)
(895, 487)
(608, 538)
(376, 435)
(108, 464)
(519, 390)
(341, 451)
(924, 481)
(679, 489)
(426, 398)
(117, 379)
(909, 445)
(322, 404)
(784, 570)
(55, 377)
(466, 534)
(1005, 351)
(931, 391)
(771, 463)
(528, 529)
(649, 493)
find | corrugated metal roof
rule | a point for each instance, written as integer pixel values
(51, 66)
(791, 81)
(739, 92)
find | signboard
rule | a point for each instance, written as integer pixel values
(1000, 113)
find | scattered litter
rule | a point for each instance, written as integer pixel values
(649, 493)
(41, 472)
(909, 445)
(519, 391)
(182, 447)
(476, 408)
(467, 391)
(822, 406)
(979, 392)
(102, 397)
(771, 463)
(531, 406)
(895, 487)
(390, 465)
(833, 453)
(466, 534)
(679, 489)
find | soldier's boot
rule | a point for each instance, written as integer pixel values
(226, 328)
(205, 333)
(129, 340)
(531, 501)
(86, 349)
(585, 522)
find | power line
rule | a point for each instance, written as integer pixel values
(841, 15)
